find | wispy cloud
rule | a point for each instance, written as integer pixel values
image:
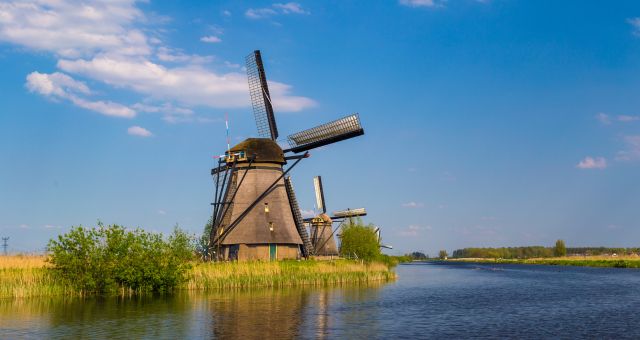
(413, 205)
(307, 213)
(626, 118)
(603, 118)
(139, 131)
(592, 163)
(161, 212)
(607, 119)
(51, 226)
(635, 24)
(113, 42)
(421, 3)
(632, 151)
(211, 39)
(275, 9)
(60, 86)
(414, 230)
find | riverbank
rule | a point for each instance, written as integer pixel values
(581, 261)
(27, 276)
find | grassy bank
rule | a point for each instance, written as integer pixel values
(582, 261)
(27, 276)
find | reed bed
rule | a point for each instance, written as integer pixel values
(24, 276)
(209, 276)
(631, 261)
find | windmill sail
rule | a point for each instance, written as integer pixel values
(317, 183)
(349, 213)
(328, 133)
(260, 97)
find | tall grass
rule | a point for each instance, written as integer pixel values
(206, 276)
(29, 276)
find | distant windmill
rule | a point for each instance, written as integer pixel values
(377, 231)
(5, 245)
(321, 226)
(255, 211)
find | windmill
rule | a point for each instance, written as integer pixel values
(255, 211)
(321, 226)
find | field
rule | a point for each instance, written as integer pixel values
(583, 261)
(26, 276)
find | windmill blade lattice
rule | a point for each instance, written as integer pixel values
(260, 97)
(328, 133)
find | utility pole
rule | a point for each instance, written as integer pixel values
(5, 245)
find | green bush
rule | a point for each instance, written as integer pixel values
(359, 239)
(109, 259)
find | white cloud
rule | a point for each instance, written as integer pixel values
(632, 152)
(275, 9)
(413, 205)
(211, 39)
(226, 13)
(290, 7)
(139, 131)
(635, 23)
(162, 212)
(72, 29)
(626, 118)
(592, 163)
(60, 86)
(259, 13)
(307, 213)
(107, 41)
(23, 226)
(603, 118)
(51, 226)
(190, 85)
(420, 3)
(414, 230)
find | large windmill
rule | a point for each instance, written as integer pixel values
(321, 226)
(256, 214)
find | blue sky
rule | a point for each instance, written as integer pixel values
(488, 123)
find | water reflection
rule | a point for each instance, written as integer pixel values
(264, 313)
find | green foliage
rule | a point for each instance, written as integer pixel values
(359, 239)
(202, 246)
(504, 253)
(443, 254)
(560, 249)
(107, 259)
(418, 256)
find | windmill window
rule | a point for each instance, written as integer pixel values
(270, 226)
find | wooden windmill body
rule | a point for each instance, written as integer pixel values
(256, 214)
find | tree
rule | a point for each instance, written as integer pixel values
(416, 255)
(560, 249)
(443, 255)
(359, 239)
(202, 246)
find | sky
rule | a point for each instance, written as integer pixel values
(487, 123)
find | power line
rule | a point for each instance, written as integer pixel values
(5, 245)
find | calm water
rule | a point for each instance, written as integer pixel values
(428, 301)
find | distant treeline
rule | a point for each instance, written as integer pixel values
(537, 251)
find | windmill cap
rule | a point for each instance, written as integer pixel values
(264, 150)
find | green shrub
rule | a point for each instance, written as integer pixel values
(359, 239)
(109, 259)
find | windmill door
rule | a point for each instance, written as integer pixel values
(273, 252)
